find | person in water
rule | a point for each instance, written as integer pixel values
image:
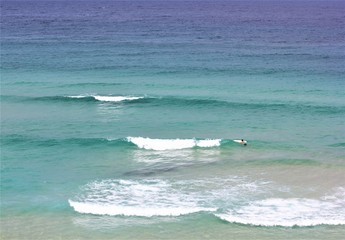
(243, 142)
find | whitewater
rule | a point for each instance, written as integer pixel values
(151, 198)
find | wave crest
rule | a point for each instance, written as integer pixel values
(172, 144)
(107, 98)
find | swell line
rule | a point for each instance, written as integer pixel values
(127, 142)
(73, 98)
(16, 139)
(171, 101)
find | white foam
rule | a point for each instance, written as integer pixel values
(208, 143)
(289, 212)
(232, 199)
(77, 96)
(108, 98)
(115, 98)
(113, 210)
(145, 198)
(172, 144)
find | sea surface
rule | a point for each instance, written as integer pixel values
(118, 119)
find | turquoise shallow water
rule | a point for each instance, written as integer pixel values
(118, 120)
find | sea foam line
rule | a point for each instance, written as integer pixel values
(289, 212)
(172, 144)
(107, 98)
(146, 198)
(220, 197)
(113, 210)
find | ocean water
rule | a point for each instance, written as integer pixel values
(118, 119)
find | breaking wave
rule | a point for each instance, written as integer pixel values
(106, 98)
(146, 198)
(139, 142)
(235, 200)
(77, 98)
(113, 210)
(302, 212)
(173, 144)
(184, 102)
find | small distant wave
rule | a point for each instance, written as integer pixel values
(187, 102)
(81, 98)
(106, 98)
(173, 144)
(290, 212)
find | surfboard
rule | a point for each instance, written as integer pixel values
(240, 141)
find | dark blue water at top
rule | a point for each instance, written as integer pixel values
(228, 37)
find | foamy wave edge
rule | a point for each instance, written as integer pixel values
(111, 210)
(288, 213)
(297, 223)
(108, 98)
(172, 144)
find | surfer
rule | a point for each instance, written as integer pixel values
(242, 142)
